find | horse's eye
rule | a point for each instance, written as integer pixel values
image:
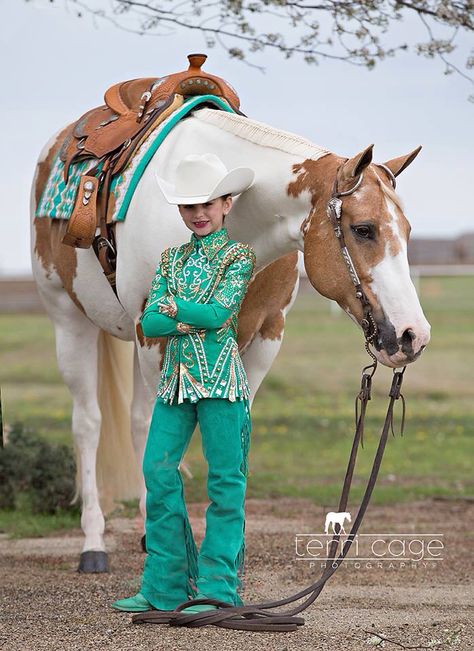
(364, 231)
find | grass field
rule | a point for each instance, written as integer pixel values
(303, 412)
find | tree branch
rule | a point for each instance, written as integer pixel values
(353, 34)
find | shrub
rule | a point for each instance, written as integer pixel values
(32, 465)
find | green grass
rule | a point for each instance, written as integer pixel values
(303, 413)
(23, 523)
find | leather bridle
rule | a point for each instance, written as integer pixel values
(257, 617)
(334, 212)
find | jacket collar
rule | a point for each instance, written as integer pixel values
(210, 243)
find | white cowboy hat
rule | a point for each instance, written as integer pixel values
(202, 177)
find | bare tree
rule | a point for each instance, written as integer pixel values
(354, 32)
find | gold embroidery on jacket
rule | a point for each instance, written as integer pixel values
(186, 369)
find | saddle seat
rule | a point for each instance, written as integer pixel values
(126, 95)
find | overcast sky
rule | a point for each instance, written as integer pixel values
(56, 67)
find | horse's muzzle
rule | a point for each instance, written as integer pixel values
(399, 350)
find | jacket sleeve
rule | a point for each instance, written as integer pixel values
(228, 295)
(153, 322)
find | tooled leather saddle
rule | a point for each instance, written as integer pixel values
(111, 133)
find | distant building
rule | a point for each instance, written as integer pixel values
(430, 251)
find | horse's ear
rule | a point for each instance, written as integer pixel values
(397, 165)
(354, 166)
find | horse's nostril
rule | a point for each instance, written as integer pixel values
(406, 341)
(409, 335)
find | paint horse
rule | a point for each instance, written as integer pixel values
(113, 383)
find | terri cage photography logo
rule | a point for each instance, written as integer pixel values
(385, 550)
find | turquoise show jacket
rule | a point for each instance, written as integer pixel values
(207, 277)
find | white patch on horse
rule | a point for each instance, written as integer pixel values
(394, 221)
(98, 299)
(257, 358)
(394, 289)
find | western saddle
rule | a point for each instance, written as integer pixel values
(111, 133)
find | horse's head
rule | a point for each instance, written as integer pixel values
(375, 232)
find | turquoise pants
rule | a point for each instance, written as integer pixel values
(173, 570)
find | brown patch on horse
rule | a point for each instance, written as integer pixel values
(149, 342)
(138, 328)
(322, 257)
(53, 253)
(49, 248)
(324, 263)
(139, 333)
(268, 294)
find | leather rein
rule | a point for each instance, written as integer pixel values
(257, 617)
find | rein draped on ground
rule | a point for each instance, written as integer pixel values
(257, 617)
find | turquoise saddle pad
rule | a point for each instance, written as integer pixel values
(58, 197)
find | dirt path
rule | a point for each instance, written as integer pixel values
(45, 604)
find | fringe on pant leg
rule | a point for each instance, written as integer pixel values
(245, 441)
(192, 555)
(191, 548)
(245, 437)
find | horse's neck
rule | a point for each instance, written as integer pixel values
(265, 216)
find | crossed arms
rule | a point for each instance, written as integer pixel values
(165, 314)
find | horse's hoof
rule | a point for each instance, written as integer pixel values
(143, 543)
(93, 562)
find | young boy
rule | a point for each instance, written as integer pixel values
(195, 300)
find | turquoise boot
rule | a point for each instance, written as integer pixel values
(135, 604)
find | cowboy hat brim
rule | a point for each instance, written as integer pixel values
(235, 182)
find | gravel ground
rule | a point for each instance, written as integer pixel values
(45, 604)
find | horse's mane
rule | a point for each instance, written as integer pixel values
(261, 133)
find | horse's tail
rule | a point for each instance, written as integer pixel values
(118, 476)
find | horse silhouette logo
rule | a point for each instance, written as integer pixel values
(333, 518)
